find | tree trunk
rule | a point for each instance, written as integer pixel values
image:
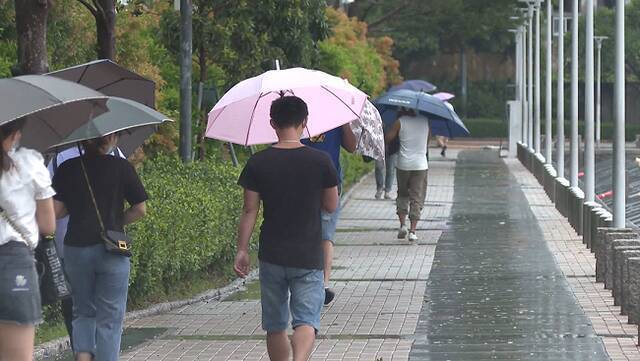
(31, 26)
(106, 29)
(202, 124)
(463, 79)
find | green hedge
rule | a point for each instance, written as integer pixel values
(190, 227)
(353, 168)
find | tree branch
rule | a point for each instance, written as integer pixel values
(91, 9)
(387, 16)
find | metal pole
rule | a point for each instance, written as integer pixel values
(560, 108)
(525, 81)
(530, 78)
(536, 140)
(599, 40)
(573, 176)
(547, 126)
(186, 34)
(619, 191)
(589, 150)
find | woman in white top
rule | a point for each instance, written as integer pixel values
(413, 131)
(27, 211)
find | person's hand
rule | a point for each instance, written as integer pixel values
(242, 264)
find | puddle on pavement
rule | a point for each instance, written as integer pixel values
(131, 338)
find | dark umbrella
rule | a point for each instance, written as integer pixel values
(112, 79)
(133, 120)
(53, 107)
(443, 119)
(415, 85)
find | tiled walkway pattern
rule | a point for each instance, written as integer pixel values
(380, 284)
(578, 265)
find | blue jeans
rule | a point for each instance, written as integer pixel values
(286, 288)
(386, 172)
(100, 282)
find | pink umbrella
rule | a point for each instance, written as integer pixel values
(242, 114)
(444, 96)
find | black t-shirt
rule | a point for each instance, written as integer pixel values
(291, 183)
(113, 180)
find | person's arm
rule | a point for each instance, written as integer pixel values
(134, 213)
(45, 216)
(349, 141)
(393, 132)
(60, 209)
(248, 218)
(330, 199)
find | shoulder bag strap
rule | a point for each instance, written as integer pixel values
(14, 225)
(93, 198)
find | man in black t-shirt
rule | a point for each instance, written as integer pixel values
(295, 183)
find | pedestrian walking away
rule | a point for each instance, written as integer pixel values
(385, 170)
(26, 210)
(414, 132)
(99, 279)
(294, 183)
(331, 143)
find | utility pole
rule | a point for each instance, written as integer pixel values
(530, 78)
(548, 152)
(619, 191)
(589, 150)
(575, 146)
(186, 40)
(599, 40)
(560, 97)
(536, 134)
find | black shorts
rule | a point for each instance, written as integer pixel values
(19, 288)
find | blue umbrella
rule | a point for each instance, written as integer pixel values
(416, 85)
(443, 119)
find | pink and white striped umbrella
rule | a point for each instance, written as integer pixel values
(242, 114)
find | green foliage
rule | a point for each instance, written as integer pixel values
(353, 167)
(486, 127)
(190, 226)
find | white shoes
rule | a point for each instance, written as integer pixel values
(413, 237)
(402, 232)
(379, 194)
(387, 195)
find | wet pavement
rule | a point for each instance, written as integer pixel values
(495, 291)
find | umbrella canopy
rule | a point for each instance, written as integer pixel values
(135, 121)
(368, 131)
(415, 85)
(53, 107)
(443, 119)
(444, 96)
(242, 114)
(110, 78)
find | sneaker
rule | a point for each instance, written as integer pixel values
(412, 237)
(379, 194)
(402, 232)
(387, 195)
(444, 151)
(329, 295)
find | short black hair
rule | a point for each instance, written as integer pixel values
(288, 111)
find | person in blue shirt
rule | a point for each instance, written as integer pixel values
(331, 142)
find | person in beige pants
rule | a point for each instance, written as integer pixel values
(412, 168)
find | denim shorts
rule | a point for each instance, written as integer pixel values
(287, 290)
(329, 225)
(19, 287)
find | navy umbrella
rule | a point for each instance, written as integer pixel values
(443, 119)
(416, 85)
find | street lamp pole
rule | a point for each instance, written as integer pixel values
(530, 79)
(536, 140)
(573, 176)
(589, 150)
(599, 40)
(619, 191)
(548, 128)
(560, 97)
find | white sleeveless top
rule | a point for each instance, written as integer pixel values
(414, 132)
(20, 187)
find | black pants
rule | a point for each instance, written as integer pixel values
(67, 313)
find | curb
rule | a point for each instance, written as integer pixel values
(347, 196)
(60, 345)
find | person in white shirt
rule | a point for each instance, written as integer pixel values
(413, 131)
(26, 212)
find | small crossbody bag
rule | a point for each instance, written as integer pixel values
(115, 242)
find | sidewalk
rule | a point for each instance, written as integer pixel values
(496, 274)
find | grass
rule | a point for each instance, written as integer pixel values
(48, 331)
